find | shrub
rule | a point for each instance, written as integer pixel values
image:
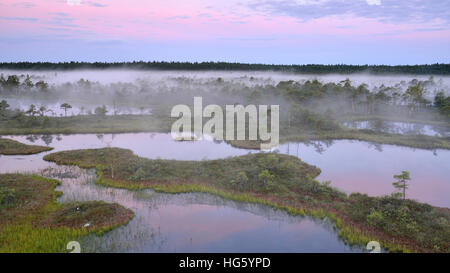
(268, 162)
(375, 218)
(266, 179)
(7, 197)
(101, 111)
(241, 180)
(139, 175)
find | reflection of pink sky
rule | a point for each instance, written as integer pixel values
(430, 189)
(144, 144)
(307, 226)
(355, 166)
(191, 20)
(206, 223)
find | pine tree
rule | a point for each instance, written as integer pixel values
(402, 182)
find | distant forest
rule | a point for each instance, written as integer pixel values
(435, 69)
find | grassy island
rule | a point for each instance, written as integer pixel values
(32, 221)
(12, 147)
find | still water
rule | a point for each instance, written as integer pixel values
(195, 222)
(352, 166)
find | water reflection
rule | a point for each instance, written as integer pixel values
(357, 166)
(399, 127)
(353, 166)
(194, 222)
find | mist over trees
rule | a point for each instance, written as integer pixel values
(310, 104)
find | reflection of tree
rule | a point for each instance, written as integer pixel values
(32, 138)
(376, 146)
(319, 145)
(47, 139)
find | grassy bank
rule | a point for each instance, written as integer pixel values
(85, 124)
(282, 182)
(32, 220)
(12, 147)
(156, 123)
(415, 141)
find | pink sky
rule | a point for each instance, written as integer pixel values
(218, 30)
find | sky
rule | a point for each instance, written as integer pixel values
(250, 31)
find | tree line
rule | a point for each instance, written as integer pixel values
(423, 69)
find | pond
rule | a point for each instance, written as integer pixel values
(195, 222)
(359, 166)
(351, 166)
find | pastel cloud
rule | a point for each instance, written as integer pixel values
(406, 11)
(24, 4)
(73, 2)
(234, 25)
(26, 19)
(373, 2)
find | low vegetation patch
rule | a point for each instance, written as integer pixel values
(282, 182)
(84, 124)
(32, 220)
(90, 215)
(12, 147)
